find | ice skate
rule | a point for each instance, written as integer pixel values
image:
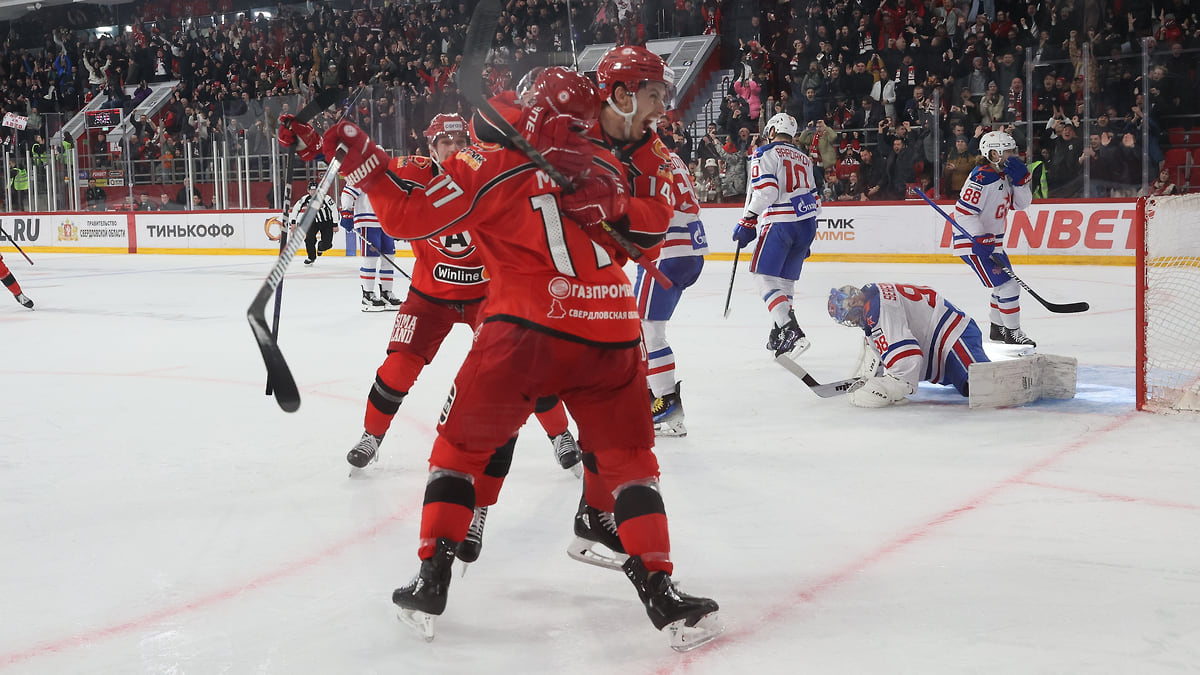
(773, 338)
(372, 302)
(596, 540)
(309, 261)
(667, 411)
(792, 341)
(688, 620)
(24, 300)
(1016, 336)
(390, 301)
(468, 550)
(424, 598)
(997, 333)
(566, 451)
(365, 451)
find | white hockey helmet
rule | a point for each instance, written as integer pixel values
(781, 123)
(998, 141)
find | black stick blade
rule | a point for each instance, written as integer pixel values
(283, 385)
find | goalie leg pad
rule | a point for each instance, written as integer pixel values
(1022, 380)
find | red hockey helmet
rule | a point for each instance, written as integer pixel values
(566, 92)
(630, 66)
(450, 124)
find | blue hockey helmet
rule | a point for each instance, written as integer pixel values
(846, 305)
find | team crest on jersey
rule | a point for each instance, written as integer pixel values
(457, 245)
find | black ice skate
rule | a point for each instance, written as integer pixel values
(309, 261)
(690, 621)
(566, 451)
(390, 301)
(365, 451)
(667, 411)
(997, 333)
(24, 300)
(1016, 336)
(468, 550)
(593, 528)
(372, 302)
(773, 338)
(792, 341)
(424, 598)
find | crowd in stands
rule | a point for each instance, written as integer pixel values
(860, 76)
(891, 95)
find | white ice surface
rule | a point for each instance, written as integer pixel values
(160, 514)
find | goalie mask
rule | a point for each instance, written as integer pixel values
(846, 305)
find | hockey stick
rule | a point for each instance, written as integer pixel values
(383, 255)
(732, 274)
(286, 201)
(319, 103)
(14, 243)
(1057, 308)
(823, 390)
(478, 42)
(287, 395)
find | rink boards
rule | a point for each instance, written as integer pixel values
(1095, 232)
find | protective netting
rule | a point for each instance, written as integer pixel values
(1171, 303)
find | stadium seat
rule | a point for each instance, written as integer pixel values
(1176, 157)
(1177, 137)
(1192, 183)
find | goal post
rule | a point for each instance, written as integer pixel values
(1168, 303)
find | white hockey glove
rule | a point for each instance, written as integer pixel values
(880, 392)
(868, 360)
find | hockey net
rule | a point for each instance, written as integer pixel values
(1168, 303)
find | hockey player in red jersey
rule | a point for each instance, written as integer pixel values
(561, 318)
(10, 282)
(449, 286)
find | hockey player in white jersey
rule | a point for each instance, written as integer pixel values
(995, 187)
(783, 193)
(375, 272)
(681, 260)
(913, 334)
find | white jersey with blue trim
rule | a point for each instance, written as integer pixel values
(354, 202)
(685, 234)
(782, 187)
(914, 329)
(983, 205)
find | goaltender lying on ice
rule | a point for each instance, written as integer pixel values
(913, 334)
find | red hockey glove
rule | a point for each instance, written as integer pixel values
(560, 139)
(365, 162)
(603, 196)
(300, 136)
